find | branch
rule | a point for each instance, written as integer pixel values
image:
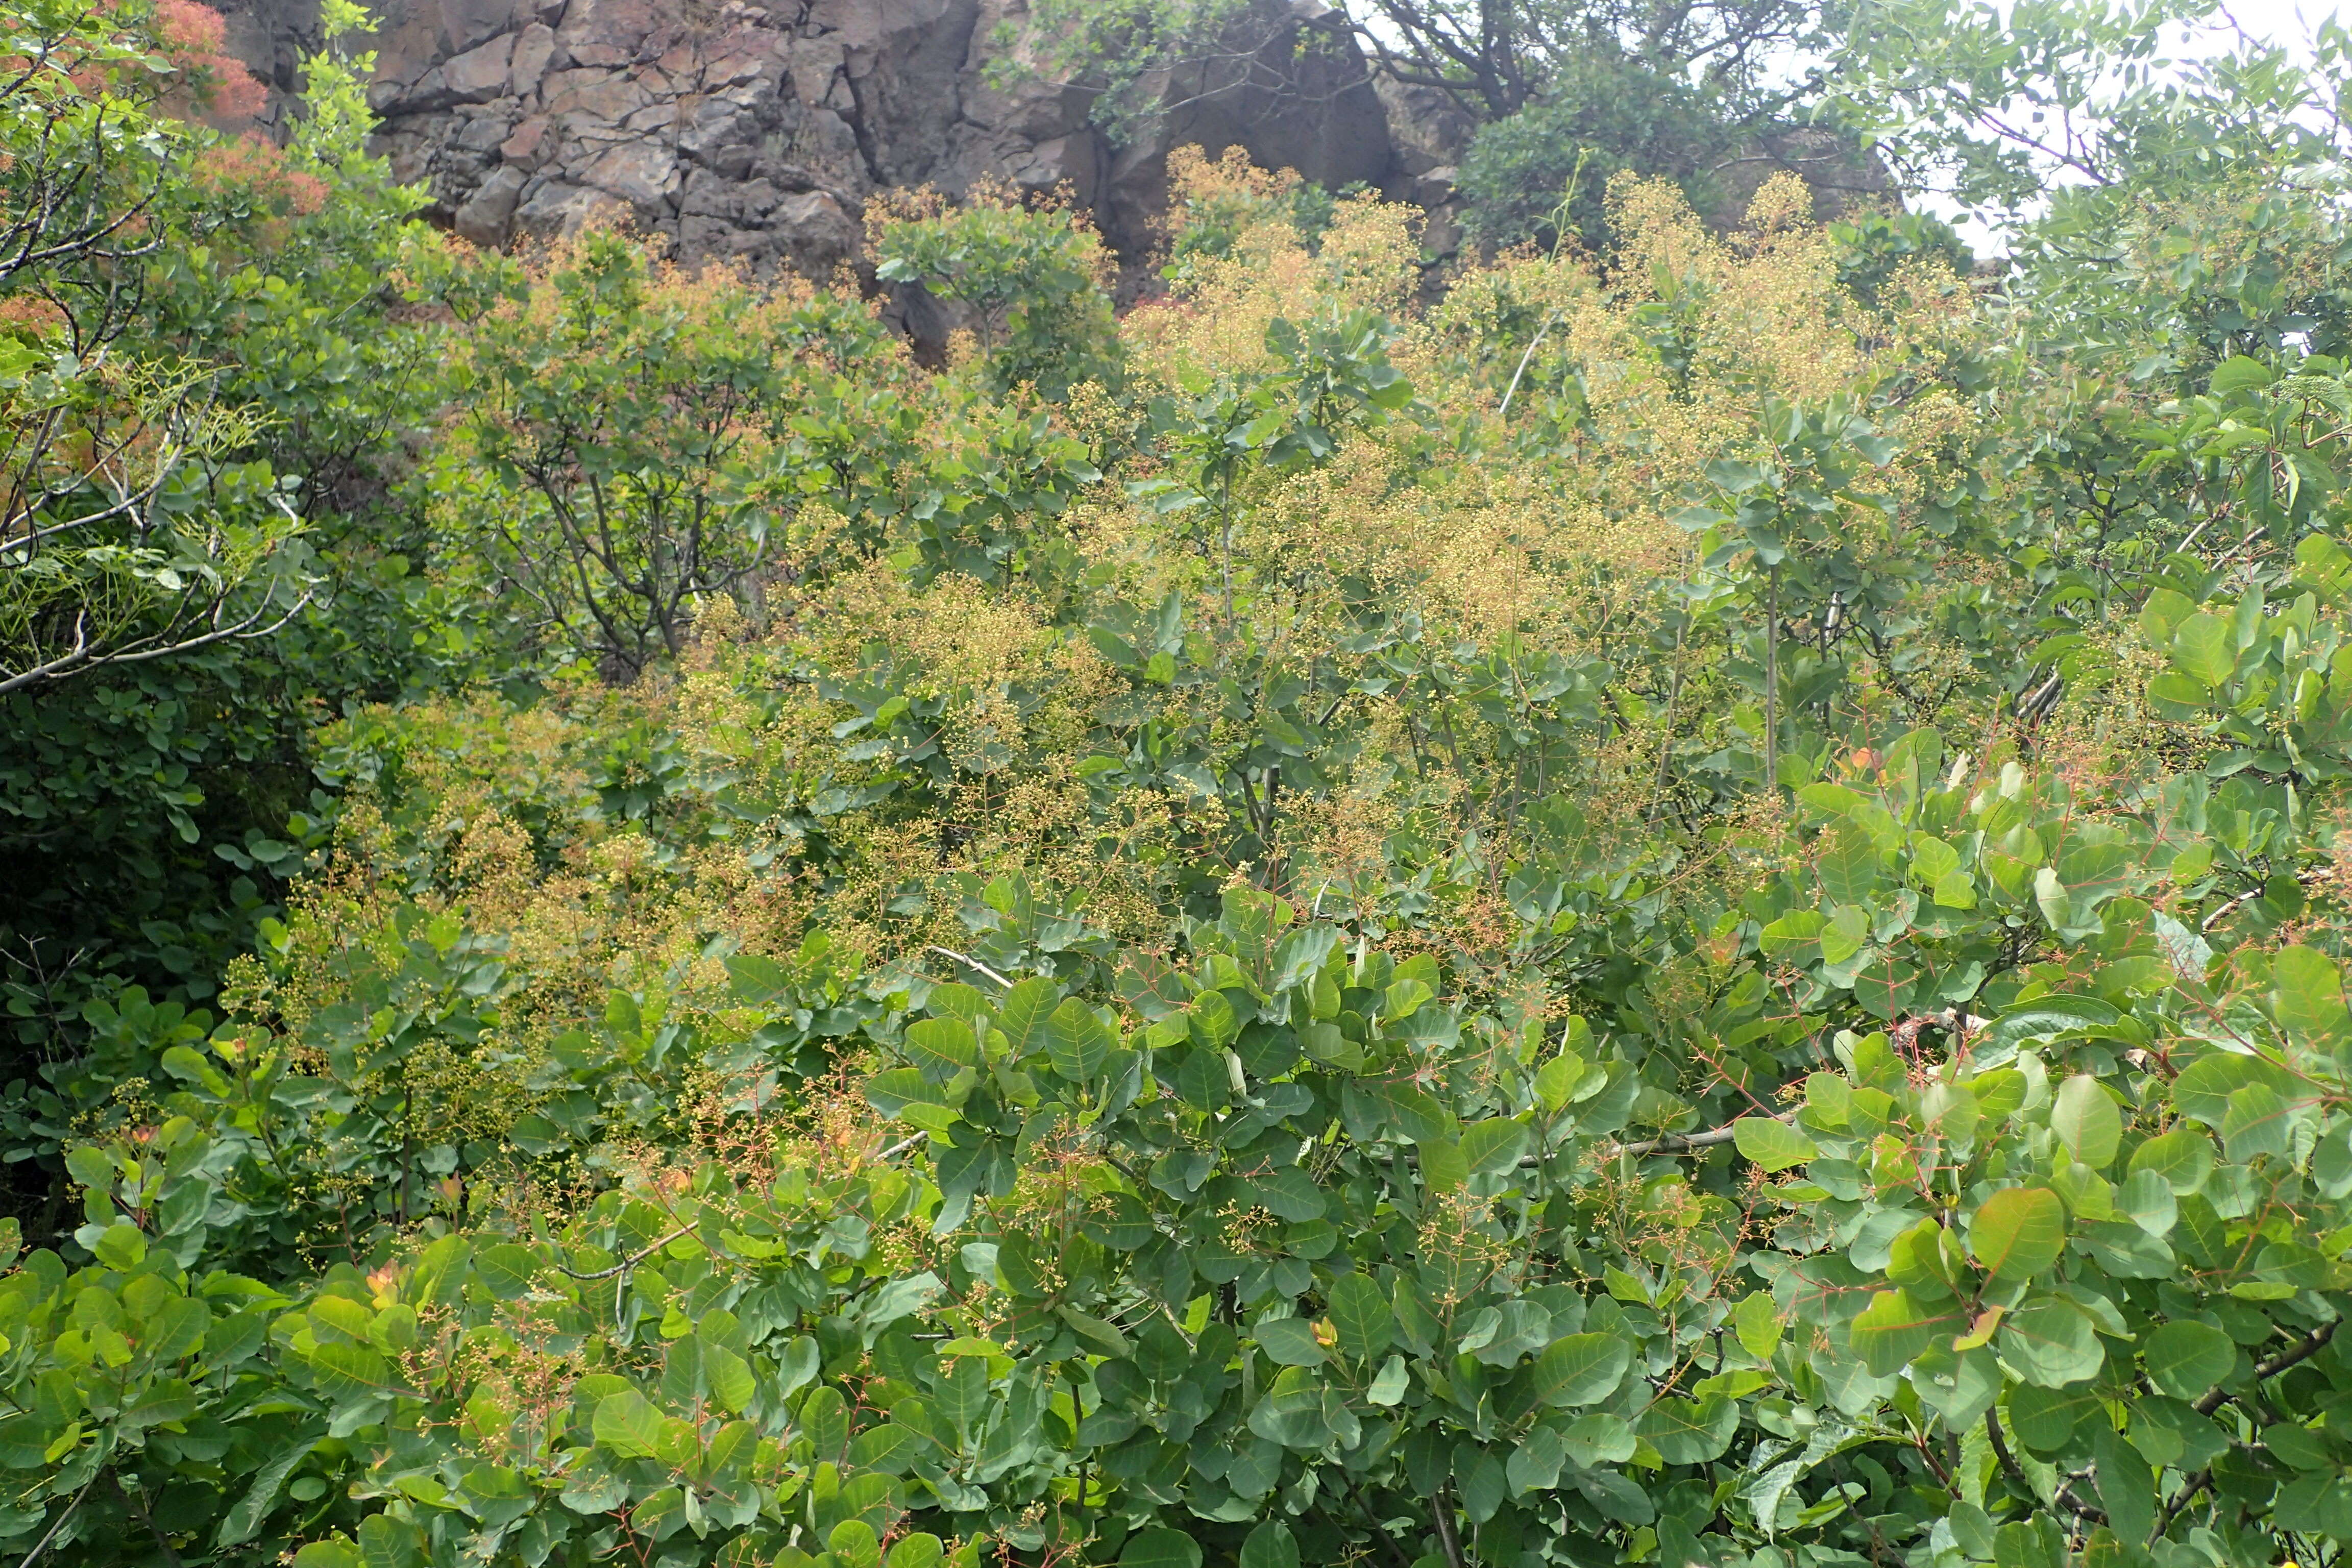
(1950, 1018)
(2017, 1477)
(40, 1545)
(2008, 1465)
(1505, 412)
(628, 1263)
(2080, 1508)
(1676, 1142)
(2187, 1495)
(2227, 909)
(1447, 1536)
(972, 963)
(2302, 1350)
(1372, 1517)
(79, 659)
(135, 1506)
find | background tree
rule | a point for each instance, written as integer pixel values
(2222, 165)
(1685, 92)
(207, 390)
(121, 539)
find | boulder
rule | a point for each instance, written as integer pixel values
(488, 217)
(487, 130)
(815, 230)
(642, 173)
(550, 209)
(592, 99)
(468, 24)
(1430, 133)
(534, 52)
(479, 75)
(530, 145)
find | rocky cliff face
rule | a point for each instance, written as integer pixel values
(756, 129)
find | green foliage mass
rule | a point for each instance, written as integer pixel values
(1031, 282)
(1680, 908)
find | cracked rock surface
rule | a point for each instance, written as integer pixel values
(756, 129)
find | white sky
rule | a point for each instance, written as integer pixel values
(2284, 21)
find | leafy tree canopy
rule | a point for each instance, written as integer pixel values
(1684, 905)
(1564, 93)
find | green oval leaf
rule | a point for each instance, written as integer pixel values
(2086, 1121)
(1491, 1145)
(1270, 1545)
(1024, 1012)
(1160, 1548)
(505, 1270)
(1582, 1369)
(2185, 1358)
(1289, 1342)
(2202, 1090)
(2182, 1157)
(1894, 1328)
(1361, 1316)
(2202, 649)
(1771, 1144)
(1688, 1432)
(2017, 1233)
(921, 1550)
(349, 1372)
(1077, 1042)
(941, 1048)
(628, 1425)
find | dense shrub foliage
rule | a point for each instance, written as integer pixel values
(1684, 904)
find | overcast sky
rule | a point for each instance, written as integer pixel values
(2283, 21)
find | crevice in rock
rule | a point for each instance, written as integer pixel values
(861, 126)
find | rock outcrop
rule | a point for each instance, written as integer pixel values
(756, 129)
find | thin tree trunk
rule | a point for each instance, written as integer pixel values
(1666, 736)
(1772, 683)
